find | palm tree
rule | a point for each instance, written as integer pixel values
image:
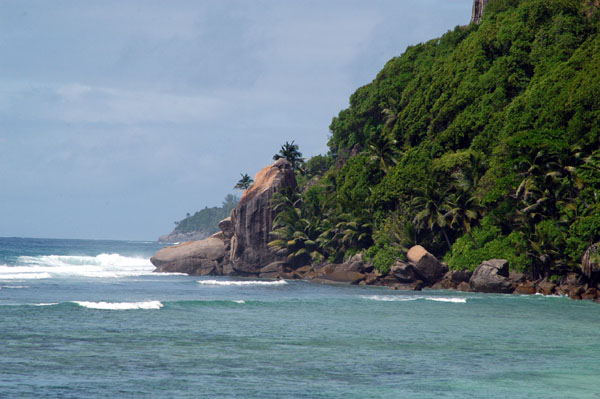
(297, 227)
(245, 182)
(291, 152)
(464, 212)
(383, 150)
(433, 208)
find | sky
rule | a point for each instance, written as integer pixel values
(119, 117)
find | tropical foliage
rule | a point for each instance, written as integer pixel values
(482, 143)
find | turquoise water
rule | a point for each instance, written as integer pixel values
(175, 336)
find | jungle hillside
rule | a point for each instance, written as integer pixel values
(480, 144)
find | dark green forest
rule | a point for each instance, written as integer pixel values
(483, 143)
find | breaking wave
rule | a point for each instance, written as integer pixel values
(120, 305)
(103, 266)
(394, 298)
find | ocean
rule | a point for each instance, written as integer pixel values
(89, 319)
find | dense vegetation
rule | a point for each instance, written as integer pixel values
(481, 144)
(206, 220)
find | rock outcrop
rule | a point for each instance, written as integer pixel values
(492, 276)
(240, 248)
(252, 219)
(203, 257)
(478, 8)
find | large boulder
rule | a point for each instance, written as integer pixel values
(492, 276)
(415, 253)
(428, 266)
(193, 257)
(405, 272)
(252, 219)
(431, 268)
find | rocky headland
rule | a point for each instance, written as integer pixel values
(241, 249)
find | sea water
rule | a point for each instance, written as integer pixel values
(89, 319)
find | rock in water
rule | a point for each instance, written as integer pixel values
(492, 276)
(192, 257)
(252, 219)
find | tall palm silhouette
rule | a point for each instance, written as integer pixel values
(291, 152)
(245, 182)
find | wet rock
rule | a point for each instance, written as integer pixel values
(340, 277)
(193, 257)
(575, 292)
(274, 270)
(405, 272)
(590, 294)
(464, 287)
(458, 276)
(525, 288)
(492, 276)
(444, 284)
(546, 287)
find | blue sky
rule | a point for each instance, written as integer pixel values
(118, 117)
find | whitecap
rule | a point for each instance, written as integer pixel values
(23, 275)
(100, 266)
(120, 305)
(241, 283)
(397, 298)
(45, 304)
(14, 286)
(452, 300)
(389, 298)
(238, 301)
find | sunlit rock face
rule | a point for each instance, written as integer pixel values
(252, 219)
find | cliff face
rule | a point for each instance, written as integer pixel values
(241, 246)
(478, 7)
(252, 219)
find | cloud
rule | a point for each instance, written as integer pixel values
(79, 103)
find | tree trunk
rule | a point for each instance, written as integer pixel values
(446, 237)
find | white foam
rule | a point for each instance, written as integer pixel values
(241, 283)
(452, 300)
(397, 298)
(120, 305)
(14, 286)
(46, 304)
(100, 266)
(239, 301)
(388, 298)
(4, 275)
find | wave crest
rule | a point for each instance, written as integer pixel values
(393, 298)
(101, 266)
(120, 305)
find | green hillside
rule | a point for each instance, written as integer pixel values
(206, 220)
(481, 144)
